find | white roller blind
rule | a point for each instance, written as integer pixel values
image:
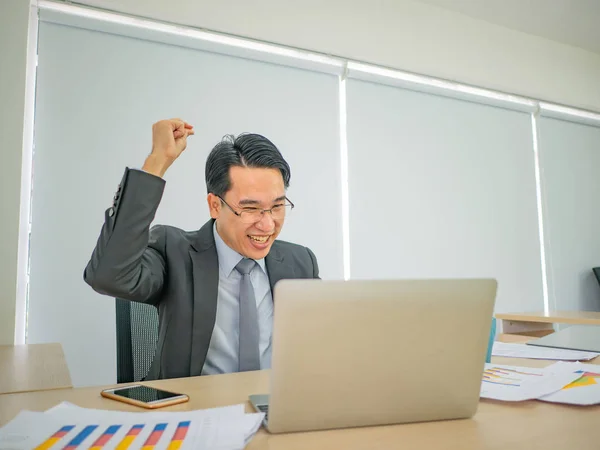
(441, 187)
(570, 162)
(97, 97)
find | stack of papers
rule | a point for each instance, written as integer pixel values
(562, 382)
(583, 391)
(69, 426)
(512, 383)
(533, 352)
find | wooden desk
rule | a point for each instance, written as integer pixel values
(497, 425)
(33, 367)
(540, 324)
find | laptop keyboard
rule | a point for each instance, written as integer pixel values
(265, 409)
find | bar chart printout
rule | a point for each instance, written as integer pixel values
(513, 383)
(69, 427)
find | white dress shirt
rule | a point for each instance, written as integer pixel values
(222, 356)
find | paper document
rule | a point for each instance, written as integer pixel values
(27, 430)
(583, 391)
(73, 427)
(532, 352)
(513, 383)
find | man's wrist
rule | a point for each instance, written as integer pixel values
(156, 165)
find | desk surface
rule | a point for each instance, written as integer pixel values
(569, 317)
(33, 367)
(497, 425)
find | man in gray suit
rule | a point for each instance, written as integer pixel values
(212, 287)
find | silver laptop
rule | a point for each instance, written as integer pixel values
(577, 337)
(358, 353)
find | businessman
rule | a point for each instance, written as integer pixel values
(213, 287)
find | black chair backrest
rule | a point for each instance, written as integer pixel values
(137, 335)
(596, 271)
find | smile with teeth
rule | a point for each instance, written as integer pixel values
(261, 239)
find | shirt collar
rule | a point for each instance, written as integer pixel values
(229, 258)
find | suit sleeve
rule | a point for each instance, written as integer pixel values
(128, 260)
(313, 258)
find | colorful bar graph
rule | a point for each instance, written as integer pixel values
(506, 376)
(179, 435)
(587, 379)
(102, 441)
(155, 436)
(130, 437)
(495, 375)
(81, 436)
(504, 370)
(105, 437)
(55, 438)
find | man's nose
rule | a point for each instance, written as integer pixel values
(266, 222)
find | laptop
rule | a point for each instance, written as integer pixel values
(374, 352)
(577, 337)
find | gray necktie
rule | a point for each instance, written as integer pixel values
(249, 355)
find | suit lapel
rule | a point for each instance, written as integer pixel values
(205, 269)
(205, 266)
(278, 267)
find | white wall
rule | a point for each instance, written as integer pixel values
(14, 19)
(569, 160)
(448, 187)
(395, 33)
(402, 34)
(220, 95)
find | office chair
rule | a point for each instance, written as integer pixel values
(596, 271)
(137, 335)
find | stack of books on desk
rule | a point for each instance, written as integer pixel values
(70, 426)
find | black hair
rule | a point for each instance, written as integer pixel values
(246, 150)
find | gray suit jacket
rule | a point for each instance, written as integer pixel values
(175, 270)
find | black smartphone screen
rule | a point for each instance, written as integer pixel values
(144, 394)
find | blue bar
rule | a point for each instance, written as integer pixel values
(112, 429)
(160, 427)
(77, 440)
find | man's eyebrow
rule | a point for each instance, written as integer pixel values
(248, 201)
(251, 202)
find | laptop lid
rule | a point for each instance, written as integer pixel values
(577, 337)
(357, 353)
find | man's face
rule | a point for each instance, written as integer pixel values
(251, 188)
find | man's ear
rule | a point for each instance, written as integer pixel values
(214, 205)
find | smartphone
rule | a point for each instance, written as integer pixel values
(144, 396)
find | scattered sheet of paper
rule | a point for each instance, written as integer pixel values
(228, 428)
(533, 352)
(513, 383)
(26, 431)
(583, 391)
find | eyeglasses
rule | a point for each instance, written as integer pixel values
(253, 215)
